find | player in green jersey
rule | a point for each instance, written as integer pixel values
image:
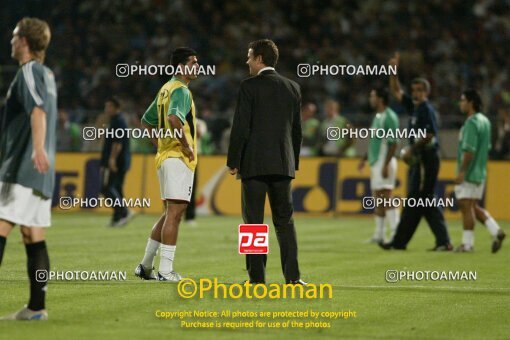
(383, 164)
(472, 155)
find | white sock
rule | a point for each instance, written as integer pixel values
(379, 228)
(492, 226)
(393, 216)
(150, 251)
(468, 238)
(166, 261)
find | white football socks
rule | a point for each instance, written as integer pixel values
(166, 261)
(468, 238)
(379, 228)
(150, 252)
(393, 216)
(492, 226)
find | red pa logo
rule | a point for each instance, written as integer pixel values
(253, 239)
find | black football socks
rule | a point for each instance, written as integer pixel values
(38, 266)
(3, 240)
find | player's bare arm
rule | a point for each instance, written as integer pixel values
(176, 124)
(39, 155)
(149, 127)
(392, 148)
(467, 157)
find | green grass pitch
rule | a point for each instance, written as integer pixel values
(330, 251)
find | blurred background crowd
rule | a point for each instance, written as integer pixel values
(454, 43)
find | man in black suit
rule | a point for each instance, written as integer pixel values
(264, 152)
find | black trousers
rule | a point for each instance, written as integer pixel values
(112, 188)
(253, 198)
(422, 178)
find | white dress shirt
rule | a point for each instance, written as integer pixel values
(265, 69)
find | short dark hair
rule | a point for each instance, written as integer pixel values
(422, 81)
(382, 93)
(267, 49)
(181, 54)
(114, 100)
(474, 97)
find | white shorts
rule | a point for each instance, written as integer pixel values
(24, 208)
(377, 182)
(469, 190)
(175, 180)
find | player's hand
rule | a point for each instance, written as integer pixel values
(361, 165)
(188, 152)
(408, 155)
(233, 171)
(385, 171)
(460, 178)
(112, 164)
(395, 60)
(40, 160)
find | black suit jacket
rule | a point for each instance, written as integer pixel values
(266, 132)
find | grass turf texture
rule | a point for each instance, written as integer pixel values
(330, 251)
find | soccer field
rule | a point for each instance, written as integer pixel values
(330, 251)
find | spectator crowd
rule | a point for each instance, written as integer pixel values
(454, 43)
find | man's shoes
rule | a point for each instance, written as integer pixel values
(116, 223)
(464, 249)
(253, 282)
(498, 241)
(444, 247)
(124, 220)
(289, 282)
(389, 246)
(172, 277)
(374, 240)
(296, 282)
(191, 223)
(144, 273)
(27, 314)
(385, 246)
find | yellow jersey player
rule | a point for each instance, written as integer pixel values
(172, 111)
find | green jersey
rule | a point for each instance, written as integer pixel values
(378, 147)
(475, 137)
(174, 98)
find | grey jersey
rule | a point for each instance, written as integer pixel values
(33, 86)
